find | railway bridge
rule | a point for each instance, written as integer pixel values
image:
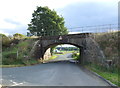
(89, 49)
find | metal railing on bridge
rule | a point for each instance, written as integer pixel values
(85, 29)
(95, 29)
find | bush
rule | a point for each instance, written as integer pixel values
(5, 40)
(12, 55)
(9, 61)
(76, 55)
(18, 36)
(15, 41)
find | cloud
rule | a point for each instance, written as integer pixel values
(1, 31)
(90, 13)
(11, 21)
(16, 14)
(5, 25)
(66, 45)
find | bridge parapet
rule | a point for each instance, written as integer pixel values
(80, 35)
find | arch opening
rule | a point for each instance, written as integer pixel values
(64, 51)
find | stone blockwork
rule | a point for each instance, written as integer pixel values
(89, 49)
(93, 53)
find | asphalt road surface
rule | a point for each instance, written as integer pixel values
(50, 74)
(63, 57)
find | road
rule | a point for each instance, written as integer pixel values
(63, 57)
(50, 74)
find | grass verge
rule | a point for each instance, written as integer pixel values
(8, 66)
(26, 63)
(112, 77)
(76, 56)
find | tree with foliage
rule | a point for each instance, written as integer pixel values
(46, 22)
(18, 36)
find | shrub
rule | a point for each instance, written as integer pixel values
(18, 36)
(76, 55)
(5, 40)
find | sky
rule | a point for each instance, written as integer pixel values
(66, 45)
(16, 14)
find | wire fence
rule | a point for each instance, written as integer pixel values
(95, 29)
(84, 29)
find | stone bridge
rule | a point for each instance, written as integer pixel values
(89, 49)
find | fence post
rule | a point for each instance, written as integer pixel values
(17, 53)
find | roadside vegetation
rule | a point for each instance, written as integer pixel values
(16, 50)
(108, 43)
(106, 73)
(76, 55)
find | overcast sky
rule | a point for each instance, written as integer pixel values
(16, 14)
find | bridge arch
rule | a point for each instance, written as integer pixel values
(55, 44)
(90, 50)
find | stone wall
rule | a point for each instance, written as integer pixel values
(93, 52)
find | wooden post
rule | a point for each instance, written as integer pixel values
(17, 53)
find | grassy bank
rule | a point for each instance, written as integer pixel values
(108, 43)
(17, 53)
(110, 74)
